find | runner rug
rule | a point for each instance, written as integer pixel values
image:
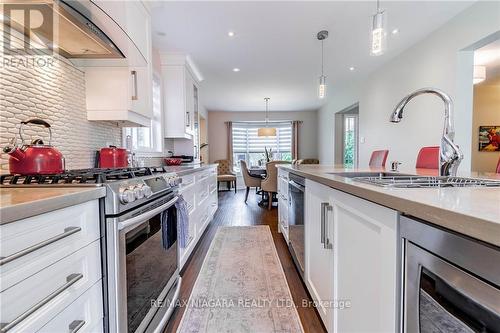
(241, 287)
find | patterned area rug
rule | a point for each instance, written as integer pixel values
(241, 287)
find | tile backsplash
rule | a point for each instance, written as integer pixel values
(55, 92)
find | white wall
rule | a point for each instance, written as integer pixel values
(486, 113)
(217, 137)
(435, 61)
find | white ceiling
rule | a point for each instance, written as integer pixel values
(276, 47)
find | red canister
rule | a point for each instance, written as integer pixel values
(113, 157)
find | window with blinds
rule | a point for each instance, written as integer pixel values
(248, 146)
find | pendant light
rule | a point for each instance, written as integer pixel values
(267, 131)
(378, 32)
(322, 35)
(479, 74)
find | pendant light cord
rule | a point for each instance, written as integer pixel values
(322, 56)
(267, 110)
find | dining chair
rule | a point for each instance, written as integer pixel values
(270, 183)
(498, 165)
(378, 158)
(307, 161)
(250, 181)
(225, 173)
(428, 158)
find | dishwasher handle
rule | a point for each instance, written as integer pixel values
(300, 187)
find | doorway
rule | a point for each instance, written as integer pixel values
(346, 137)
(486, 108)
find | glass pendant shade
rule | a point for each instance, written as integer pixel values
(322, 87)
(266, 131)
(378, 33)
(479, 74)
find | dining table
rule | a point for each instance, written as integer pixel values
(258, 171)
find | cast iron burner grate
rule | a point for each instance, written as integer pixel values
(81, 176)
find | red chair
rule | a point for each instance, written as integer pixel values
(378, 158)
(498, 166)
(428, 158)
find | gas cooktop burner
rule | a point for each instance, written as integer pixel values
(81, 176)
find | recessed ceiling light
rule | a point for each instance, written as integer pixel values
(230, 33)
(351, 68)
(236, 69)
(395, 31)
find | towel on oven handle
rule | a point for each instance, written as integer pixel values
(175, 225)
(182, 221)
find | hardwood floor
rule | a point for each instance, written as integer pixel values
(234, 212)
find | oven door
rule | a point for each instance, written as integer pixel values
(144, 266)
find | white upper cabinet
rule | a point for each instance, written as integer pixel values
(123, 93)
(180, 92)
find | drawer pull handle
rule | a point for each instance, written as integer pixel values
(76, 325)
(70, 280)
(67, 232)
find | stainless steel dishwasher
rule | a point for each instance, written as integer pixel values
(296, 200)
(451, 282)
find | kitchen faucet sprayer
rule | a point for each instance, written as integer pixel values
(450, 154)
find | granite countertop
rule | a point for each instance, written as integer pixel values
(472, 211)
(19, 203)
(182, 170)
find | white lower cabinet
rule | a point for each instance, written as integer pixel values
(199, 189)
(80, 316)
(49, 263)
(351, 260)
(283, 202)
(319, 225)
(365, 265)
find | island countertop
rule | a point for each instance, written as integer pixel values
(17, 203)
(472, 211)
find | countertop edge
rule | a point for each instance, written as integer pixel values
(452, 220)
(186, 170)
(37, 207)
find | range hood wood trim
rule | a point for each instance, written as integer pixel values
(124, 118)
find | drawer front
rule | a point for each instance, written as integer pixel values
(200, 176)
(31, 244)
(83, 315)
(34, 301)
(202, 192)
(187, 181)
(212, 184)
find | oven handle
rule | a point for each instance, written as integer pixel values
(143, 217)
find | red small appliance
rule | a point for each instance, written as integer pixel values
(113, 157)
(35, 158)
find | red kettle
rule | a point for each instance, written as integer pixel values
(35, 158)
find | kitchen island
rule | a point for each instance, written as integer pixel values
(472, 211)
(350, 240)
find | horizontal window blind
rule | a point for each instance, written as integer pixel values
(246, 139)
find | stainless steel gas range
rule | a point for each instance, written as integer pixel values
(139, 247)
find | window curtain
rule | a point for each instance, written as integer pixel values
(229, 125)
(295, 139)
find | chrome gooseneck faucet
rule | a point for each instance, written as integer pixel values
(450, 155)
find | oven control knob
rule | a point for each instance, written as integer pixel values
(146, 190)
(127, 196)
(139, 192)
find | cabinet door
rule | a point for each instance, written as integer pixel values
(319, 253)
(190, 103)
(141, 90)
(365, 265)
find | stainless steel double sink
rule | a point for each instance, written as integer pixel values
(398, 180)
